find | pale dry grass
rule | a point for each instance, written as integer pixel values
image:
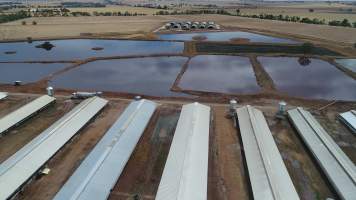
(328, 15)
(122, 9)
(73, 26)
(313, 5)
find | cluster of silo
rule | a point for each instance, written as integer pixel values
(188, 25)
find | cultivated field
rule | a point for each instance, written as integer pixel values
(122, 9)
(319, 13)
(56, 27)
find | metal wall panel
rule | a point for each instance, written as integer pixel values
(21, 114)
(268, 175)
(20, 167)
(101, 169)
(349, 119)
(338, 168)
(3, 95)
(185, 175)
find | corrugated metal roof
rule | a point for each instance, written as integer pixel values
(20, 167)
(3, 95)
(185, 174)
(24, 112)
(268, 175)
(100, 170)
(349, 119)
(339, 169)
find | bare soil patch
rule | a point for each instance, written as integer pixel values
(19, 136)
(229, 180)
(64, 163)
(142, 174)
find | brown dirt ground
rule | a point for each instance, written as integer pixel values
(306, 176)
(21, 135)
(64, 163)
(141, 175)
(227, 178)
(338, 131)
(12, 103)
(121, 26)
(230, 175)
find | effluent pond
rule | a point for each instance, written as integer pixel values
(318, 79)
(84, 48)
(27, 72)
(224, 74)
(226, 36)
(149, 76)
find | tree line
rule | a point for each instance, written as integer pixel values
(12, 17)
(344, 22)
(194, 12)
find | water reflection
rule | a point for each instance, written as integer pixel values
(225, 74)
(226, 36)
(82, 48)
(27, 72)
(304, 61)
(150, 76)
(319, 80)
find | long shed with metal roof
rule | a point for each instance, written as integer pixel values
(21, 166)
(185, 174)
(268, 174)
(101, 169)
(3, 95)
(349, 119)
(338, 168)
(16, 117)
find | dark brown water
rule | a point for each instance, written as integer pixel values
(27, 72)
(224, 74)
(150, 76)
(83, 48)
(318, 80)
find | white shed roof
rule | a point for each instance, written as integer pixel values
(3, 95)
(20, 167)
(185, 175)
(349, 118)
(268, 175)
(101, 169)
(338, 168)
(24, 112)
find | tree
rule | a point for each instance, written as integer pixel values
(34, 23)
(306, 20)
(345, 23)
(304, 61)
(23, 23)
(238, 12)
(29, 39)
(311, 10)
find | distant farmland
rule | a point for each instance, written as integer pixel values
(122, 9)
(327, 14)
